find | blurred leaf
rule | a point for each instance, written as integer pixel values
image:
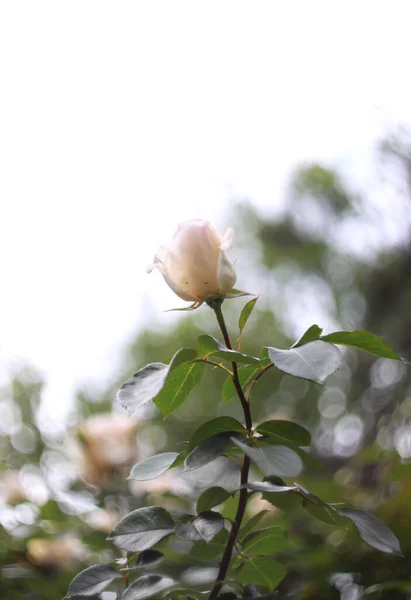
(251, 592)
(142, 528)
(312, 334)
(92, 580)
(314, 361)
(363, 340)
(153, 467)
(209, 346)
(261, 570)
(373, 531)
(147, 383)
(245, 313)
(244, 374)
(212, 497)
(211, 428)
(286, 430)
(264, 541)
(209, 450)
(247, 527)
(274, 460)
(146, 586)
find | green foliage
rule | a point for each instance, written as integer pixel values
(363, 340)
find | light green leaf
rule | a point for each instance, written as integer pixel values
(312, 333)
(251, 523)
(261, 570)
(314, 361)
(180, 383)
(264, 541)
(363, 340)
(212, 550)
(153, 467)
(245, 374)
(245, 313)
(212, 497)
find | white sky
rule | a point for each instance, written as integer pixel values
(118, 119)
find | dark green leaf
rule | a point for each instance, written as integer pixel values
(363, 340)
(245, 375)
(286, 430)
(92, 581)
(147, 383)
(211, 428)
(149, 557)
(180, 383)
(262, 570)
(324, 512)
(212, 497)
(314, 361)
(273, 459)
(312, 334)
(142, 528)
(209, 450)
(373, 531)
(146, 586)
(245, 313)
(153, 467)
(208, 346)
(264, 541)
(247, 527)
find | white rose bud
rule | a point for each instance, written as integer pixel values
(195, 264)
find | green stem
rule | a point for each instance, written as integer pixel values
(215, 304)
